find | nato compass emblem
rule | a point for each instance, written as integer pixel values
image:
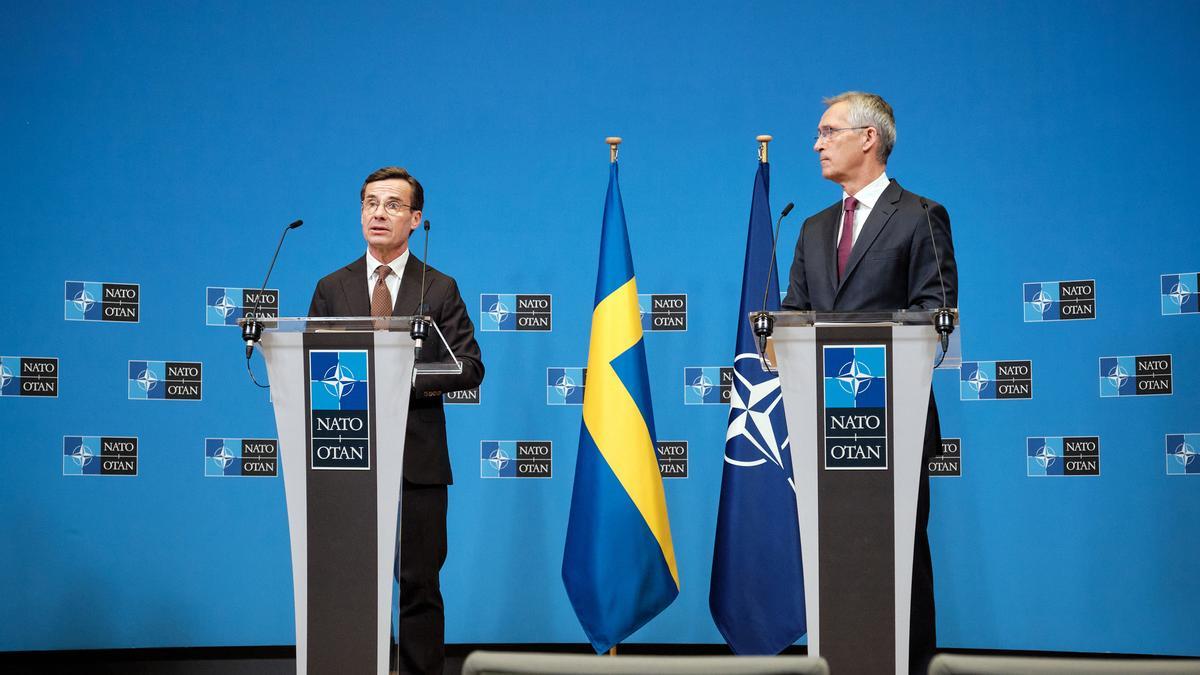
(1062, 456)
(101, 301)
(339, 410)
(1144, 375)
(1180, 293)
(1183, 454)
(100, 455)
(855, 407)
(1060, 300)
(990, 380)
(29, 376)
(757, 431)
(516, 459)
(224, 306)
(707, 385)
(166, 380)
(241, 457)
(505, 312)
(565, 386)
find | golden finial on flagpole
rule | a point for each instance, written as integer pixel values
(613, 142)
(762, 139)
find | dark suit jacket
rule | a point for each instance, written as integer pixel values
(344, 293)
(891, 265)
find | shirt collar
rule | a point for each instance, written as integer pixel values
(870, 192)
(397, 265)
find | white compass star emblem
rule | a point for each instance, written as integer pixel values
(6, 376)
(1179, 293)
(223, 457)
(1185, 454)
(1044, 456)
(82, 455)
(83, 301)
(855, 377)
(977, 381)
(1117, 376)
(564, 386)
(498, 312)
(225, 306)
(339, 381)
(147, 380)
(1041, 301)
(702, 385)
(751, 408)
(498, 459)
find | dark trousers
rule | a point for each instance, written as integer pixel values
(923, 624)
(422, 553)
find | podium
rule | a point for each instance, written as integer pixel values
(340, 388)
(856, 395)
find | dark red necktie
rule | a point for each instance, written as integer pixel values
(847, 241)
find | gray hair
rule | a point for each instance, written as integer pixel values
(870, 110)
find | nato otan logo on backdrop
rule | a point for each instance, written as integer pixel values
(340, 409)
(1060, 300)
(663, 312)
(506, 312)
(241, 457)
(166, 380)
(101, 301)
(224, 306)
(1183, 454)
(1181, 293)
(463, 397)
(516, 459)
(707, 385)
(100, 455)
(564, 386)
(948, 461)
(1062, 456)
(1148, 375)
(672, 458)
(855, 407)
(990, 380)
(28, 376)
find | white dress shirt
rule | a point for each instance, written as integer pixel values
(866, 201)
(393, 279)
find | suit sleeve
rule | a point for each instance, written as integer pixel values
(797, 288)
(450, 314)
(319, 306)
(924, 283)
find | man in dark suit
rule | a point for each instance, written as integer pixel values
(872, 251)
(387, 282)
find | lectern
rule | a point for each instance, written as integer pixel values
(340, 387)
(856, 395)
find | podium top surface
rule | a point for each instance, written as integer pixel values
(332, 324)
(901, 317)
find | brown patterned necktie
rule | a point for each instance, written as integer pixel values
(381, 299)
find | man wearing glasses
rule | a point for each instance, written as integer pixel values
(386, 281)
(872, 251)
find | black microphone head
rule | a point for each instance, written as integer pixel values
(787, 209)
(296, 224)
(426, 224)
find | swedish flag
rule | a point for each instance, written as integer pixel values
(619, 563)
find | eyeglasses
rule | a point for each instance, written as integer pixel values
(393, 207)
(826, 133)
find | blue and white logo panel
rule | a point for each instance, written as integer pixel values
(100, 455)
(340, 410)
(516, 459)
(224, 457)
(1180, 293)
(992, 380)
(166, 380)
(854, 380)
(101, 301)
(505, 312)
(1062, 456)
(1183, 454)
(1060, 300)
(707, 385)
(565, 386)
(224, 306)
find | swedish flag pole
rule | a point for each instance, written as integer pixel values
(619, 562)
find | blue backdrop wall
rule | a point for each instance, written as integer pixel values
(166, 144)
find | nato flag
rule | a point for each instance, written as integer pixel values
(757, 593)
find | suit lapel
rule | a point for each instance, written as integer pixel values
(409, 295)
(880, 215)
(827, 242)
(354, 285)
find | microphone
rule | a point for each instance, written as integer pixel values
(420, 328)
(251, 328)
(763, 322)
(943, 318)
